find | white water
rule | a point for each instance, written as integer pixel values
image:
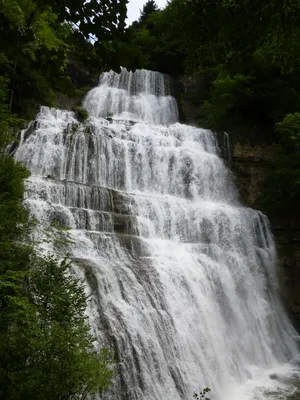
(139, 96)
(181, 276)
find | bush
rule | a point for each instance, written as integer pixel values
(227, 93)
(81, 114)
(46, 350)
(289, 132)
(282, 188)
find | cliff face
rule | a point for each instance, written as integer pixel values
(252, 162)
(251, 165)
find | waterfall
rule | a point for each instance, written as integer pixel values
(137, 96)
(181, 276)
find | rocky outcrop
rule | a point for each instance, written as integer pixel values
(251, 165)
(188, 91)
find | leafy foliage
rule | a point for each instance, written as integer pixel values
(7, 119)
(149, 7)
(47, 350)
(150, 42)
(289, 131)
(226, 40)
(14, 255)
(81, 114)
(283, 186)
(44, 46)
(248, 54)
(228, 94)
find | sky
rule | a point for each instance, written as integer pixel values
(134, 6)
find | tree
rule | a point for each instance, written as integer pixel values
(282, 189)
(243, 60)
(150, 43)
(148, 8)
(46, 349)
(227, 95)
(103, 19)
(14, 254)
(39, 39)
(7, 119)
(289, 132)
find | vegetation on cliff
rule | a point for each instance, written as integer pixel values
(248, 54)
(282, 194)
(46, 350)
(248, 51)
(244, 57)
(46, 47)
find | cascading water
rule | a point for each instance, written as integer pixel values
(181, 276)
(139, 96)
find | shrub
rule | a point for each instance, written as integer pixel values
(47, 351)
(289, 131)
(227, 93)
(81, 113)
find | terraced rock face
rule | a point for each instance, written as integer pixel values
(180, 276)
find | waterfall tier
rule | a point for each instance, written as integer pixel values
(181, 277)
(136, 96)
